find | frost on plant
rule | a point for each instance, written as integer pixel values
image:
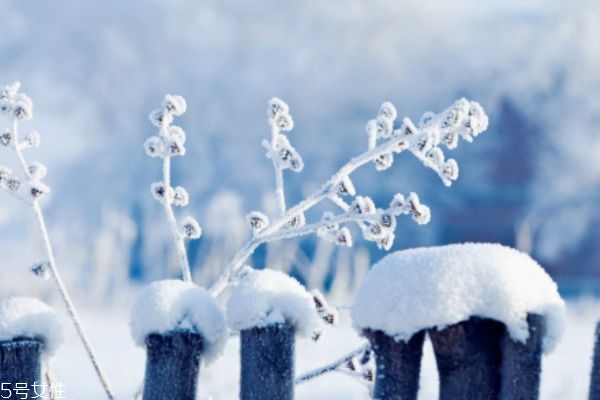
(27, 185)
(387, 137)
(167, 143)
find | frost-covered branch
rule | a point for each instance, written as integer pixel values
(463, 119)
(18, 107)
(279, 150)
(356, 363)
(170, 142)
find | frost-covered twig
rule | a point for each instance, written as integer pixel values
(355, 363)
(170, 142)
(463, 119)
(18, 107)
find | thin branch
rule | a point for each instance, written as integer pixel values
(334, 366)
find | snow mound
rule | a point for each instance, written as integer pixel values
(31, 318)
(267, 297)
(171, 305)
(439, 286)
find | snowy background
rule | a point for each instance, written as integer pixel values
(95, 70)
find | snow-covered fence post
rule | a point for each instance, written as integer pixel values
(172, 365)
(20, 363)
(594, 393)
(491, 310)
(269, 308)
(180, 325)
(267, 363)
(468, 359)
(29, 333)
(522, 362)
(398, 365)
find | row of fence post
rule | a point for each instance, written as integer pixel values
(476, 359)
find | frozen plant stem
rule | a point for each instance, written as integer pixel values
(463, 119)
(334, 366)
(72, 312)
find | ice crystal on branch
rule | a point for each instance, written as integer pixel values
(170, 142)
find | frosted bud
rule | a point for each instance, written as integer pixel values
(406, 129)
(174, 148)
(426, 118)
(6, 139)
(38, 190)
(257, 221)
(176, 134)
(450, 170)
(398, 202)
(424, 143)
(174, 104)
(5, 174)
(388, 221)
(276, 107)
(297, 220)
(33, 139)
(158, 117)
(376, 230)
(383, 127)
(325, 311)
(154, 146)
(435, 156)
(388, 111)
(344, 238)
(180, 197)
(12, 184)
(283, 122)
(37, 170)
(478, 120)
(41, 269)
(386, 241)
(420, 212)
(452, 118)
(367, 375)
(5, 103)
(345, 187)
(450, 139)
(23, 108)
(329, 226)
(190, 228)
(159, 192)
(363, 205)
(384, 161)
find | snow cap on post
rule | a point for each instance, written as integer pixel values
(170, 305)
(267, 297)
(415, 289)
(31, 318)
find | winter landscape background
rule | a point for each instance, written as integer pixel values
(95, 70)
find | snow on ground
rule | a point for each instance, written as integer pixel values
(565, 371)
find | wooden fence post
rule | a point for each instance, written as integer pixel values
(594, 393)
(522, 362)
(398, 365)
(267, 358)
(172, 365)
(20, 363)
(468, 357)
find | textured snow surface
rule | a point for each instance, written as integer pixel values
(267, 297)
(439, 286)
(32, 318)
(177, 305)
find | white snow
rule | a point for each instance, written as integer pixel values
(177, 305)
(31, 318)
(267, 297)
(439, 286)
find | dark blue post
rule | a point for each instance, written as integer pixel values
(522, 362)
(267, 358)
(398, 365)
(468, 357)
(594, 393)
(20, 362)
(172, 365)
